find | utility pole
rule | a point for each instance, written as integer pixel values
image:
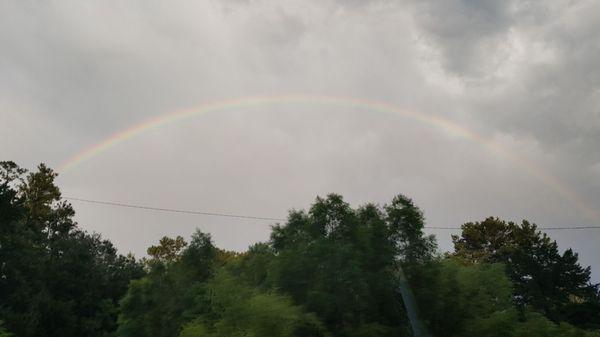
(410, 304)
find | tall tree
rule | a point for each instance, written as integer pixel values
(554, 284)
(171, 294)
(406, 222)
(340, 262)
(55, 279)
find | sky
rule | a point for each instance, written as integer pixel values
(496, 111)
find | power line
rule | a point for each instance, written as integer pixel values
(568, 228)
(172, 210)
(250, 217)
(538, 227)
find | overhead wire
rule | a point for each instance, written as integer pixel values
(252, 217)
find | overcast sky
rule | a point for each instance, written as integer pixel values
(524, 74)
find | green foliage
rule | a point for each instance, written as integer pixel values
(455, 297)
(167, 249)
(238, 310)
(331, 271)
(253, 267)
(334, 261)
(341, 263)
(536, 325)
(160, 303)
(405, 222)
(544, 280)
(207, 304)
(55, 280)
(497, 324)
(3, 331)
(475, 300)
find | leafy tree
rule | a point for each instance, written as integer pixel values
(330, 271)
(160, 303)
(239, 310)
(55, 280)
(253, 267)
(340, 263)
(475, 300)
(167, 250)
(545, 280)
(457, 300)
(406, 222)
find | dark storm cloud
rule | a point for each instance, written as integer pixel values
(530, 66)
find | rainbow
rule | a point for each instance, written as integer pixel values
(338, 101)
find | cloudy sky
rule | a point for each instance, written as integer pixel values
(521, 77)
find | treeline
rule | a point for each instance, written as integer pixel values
(55, 279)
(332, 270)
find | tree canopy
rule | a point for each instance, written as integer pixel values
(331, 271)
(544, 280)
(55, 279)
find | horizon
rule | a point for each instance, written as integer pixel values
(473, 109)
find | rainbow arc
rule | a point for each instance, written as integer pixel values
(172, 117)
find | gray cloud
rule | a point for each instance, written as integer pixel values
(530, 67)
(521, 72)
(469, 35)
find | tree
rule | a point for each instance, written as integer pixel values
(55, 280)
(167, 250)
(340, 262)
(330, 271)
(239, 310)
(168, 297)
(458, 299)
(406, 223)
(551, 283)
(475, 300)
